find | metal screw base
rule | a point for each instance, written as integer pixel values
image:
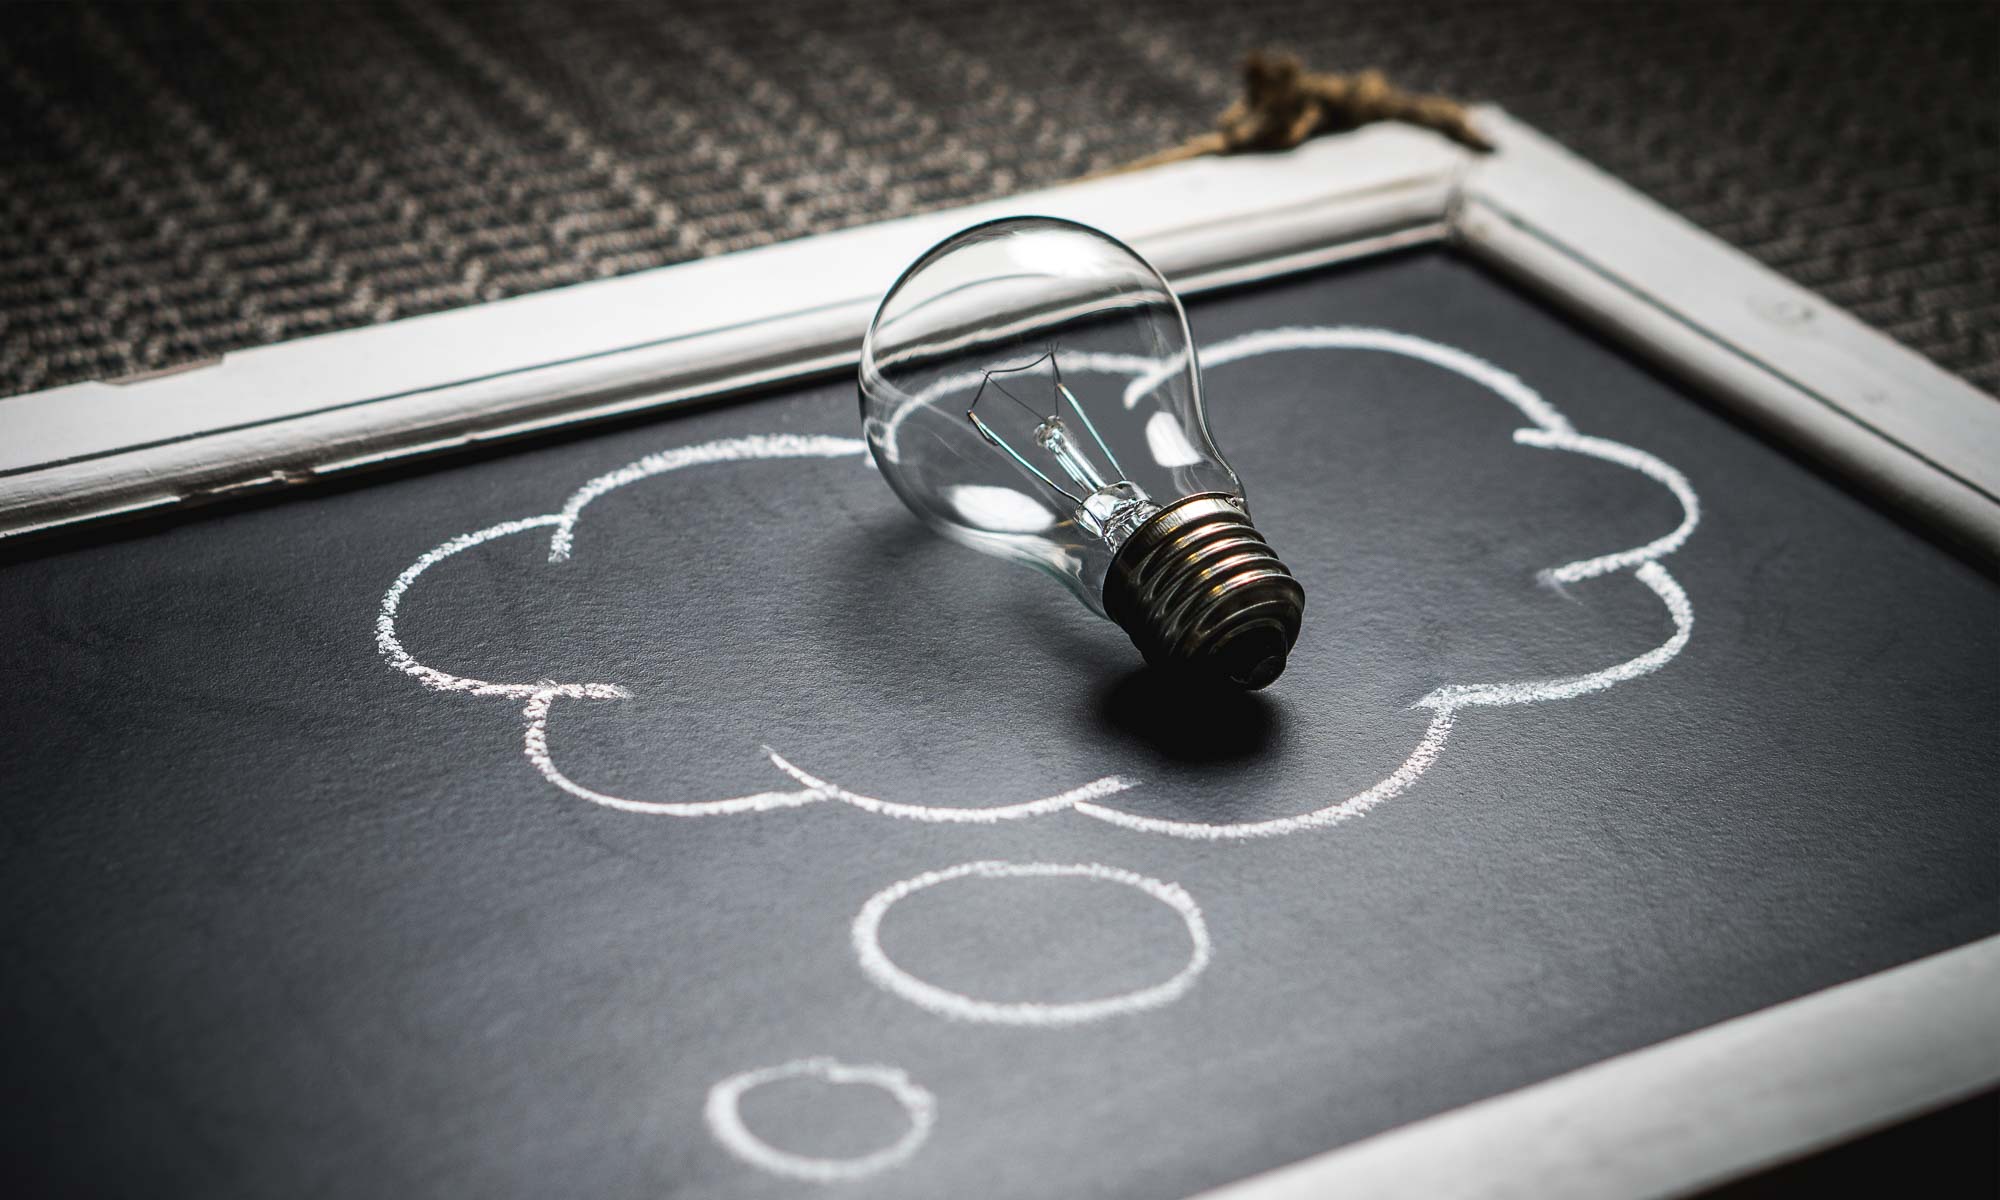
(1201, 594)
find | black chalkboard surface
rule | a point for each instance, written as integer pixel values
(491, 888)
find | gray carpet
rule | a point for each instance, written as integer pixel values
(181, 180)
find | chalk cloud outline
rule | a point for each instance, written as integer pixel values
(1548, 429)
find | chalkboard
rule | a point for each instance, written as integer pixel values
(664, 812)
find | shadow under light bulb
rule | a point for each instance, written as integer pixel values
(1029, 388)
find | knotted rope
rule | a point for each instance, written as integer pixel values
(1283, 104)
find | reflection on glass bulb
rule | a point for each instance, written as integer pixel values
(1029, 388)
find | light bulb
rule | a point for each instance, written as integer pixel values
(1029, 388)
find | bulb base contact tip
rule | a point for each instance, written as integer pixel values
(1202, 594)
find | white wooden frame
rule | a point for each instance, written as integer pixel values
(296, 412)
(1695, 1110)
(1661, 1121)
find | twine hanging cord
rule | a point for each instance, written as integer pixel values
(1283, 104)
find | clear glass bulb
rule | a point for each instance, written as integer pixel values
(1029, 388)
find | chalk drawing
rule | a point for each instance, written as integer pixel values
(877, 965)
(1548, 429)
(392, 603)
(1533, 691)
(1107, 786)
(541, 696)
(741, 449)
(725, 1120)
(1391, 785)
(1637, 460)
(537, 715)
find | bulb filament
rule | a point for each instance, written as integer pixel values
(1110, 508)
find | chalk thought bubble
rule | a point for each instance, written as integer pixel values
(1546, 429)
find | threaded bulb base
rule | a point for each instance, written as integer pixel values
(1202, 595)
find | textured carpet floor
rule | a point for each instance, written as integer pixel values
(180, 180)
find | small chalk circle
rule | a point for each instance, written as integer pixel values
(724, 1115)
